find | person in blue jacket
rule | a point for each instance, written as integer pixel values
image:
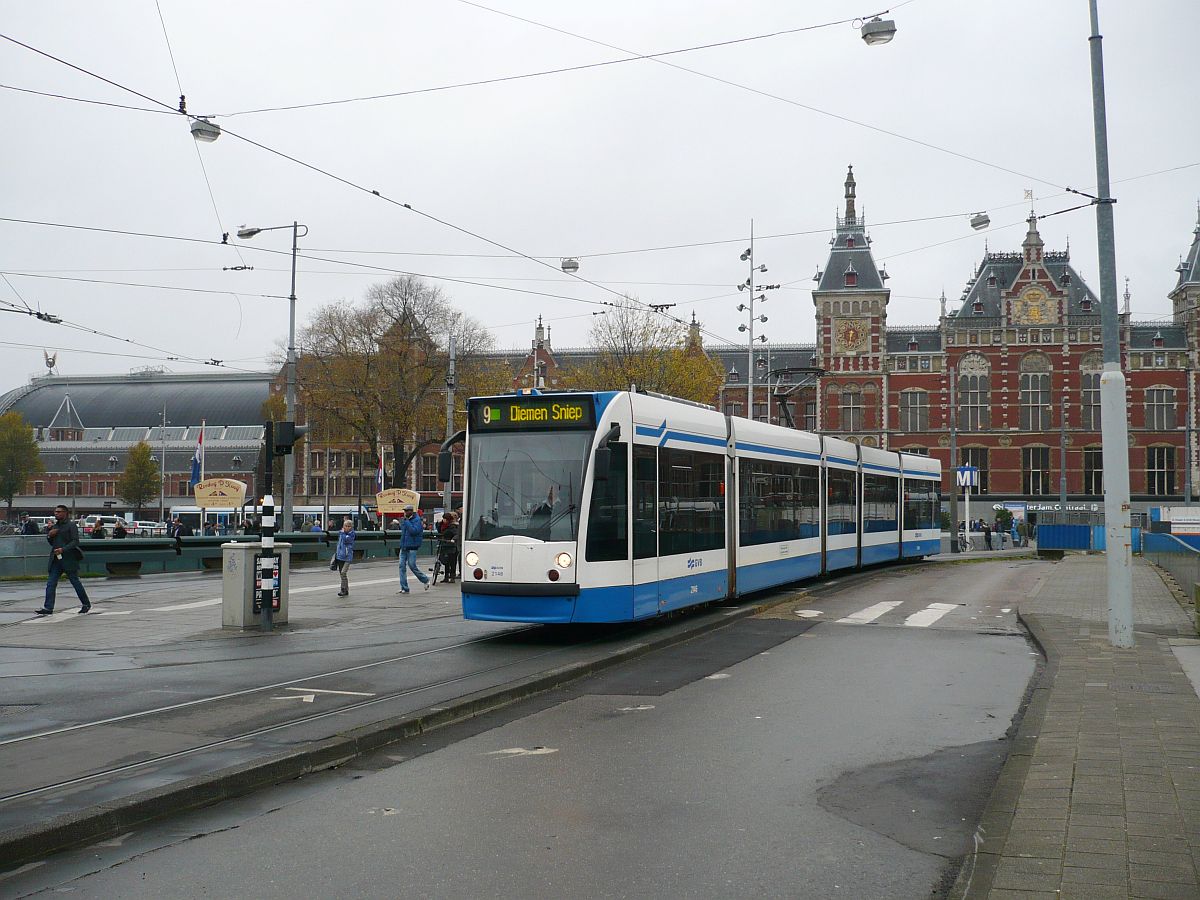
(343, 556)
(412, 532)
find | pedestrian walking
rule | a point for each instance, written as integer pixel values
(987, 535)
(119, 531)
(1023, 533)
(412, 532)
(28, 526)
(448, 547)
(65, 554)
(343, 556)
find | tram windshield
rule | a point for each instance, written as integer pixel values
(527, 484)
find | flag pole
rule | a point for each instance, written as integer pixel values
(203, 511)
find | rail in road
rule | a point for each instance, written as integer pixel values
(150, 758)
(102, 750)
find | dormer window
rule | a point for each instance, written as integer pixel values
(850, 242)
(1158, 339)
(734, 377)
(977, 308)
(851, 277)
(1086, 304)
(1065, 278)
(912, 344)
(992, 279)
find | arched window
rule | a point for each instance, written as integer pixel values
(1035, 470)
(1035, 392)
(1160, 471)
(852, 408)
(1160, 407)
(1089, 390)
(974, 393)
(914, 410)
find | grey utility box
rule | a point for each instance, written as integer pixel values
(239, 580)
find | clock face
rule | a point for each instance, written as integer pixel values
(850, 335)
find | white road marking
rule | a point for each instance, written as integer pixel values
(112, 612)
(809, 613)
(634, 708)
(870, 614)
(307, 698)
(1006, 610)
(930, 614)
(716, 677)
(308, 690)
(178, 606)
(213, 601)
(513, 752)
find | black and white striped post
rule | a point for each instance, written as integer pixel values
(266, 560)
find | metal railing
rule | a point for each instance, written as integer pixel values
(1176, 556)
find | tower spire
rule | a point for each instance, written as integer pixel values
(850, 185)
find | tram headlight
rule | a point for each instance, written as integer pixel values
(471, 558)
(564, 560)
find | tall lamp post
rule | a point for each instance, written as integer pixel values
(73, 462)
(748, 257)
(289, 461)
(1113, 426)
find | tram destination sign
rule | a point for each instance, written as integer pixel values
(532, 413)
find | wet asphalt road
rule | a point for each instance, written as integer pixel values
(839, 747)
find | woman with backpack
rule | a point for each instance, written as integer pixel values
(448, 547)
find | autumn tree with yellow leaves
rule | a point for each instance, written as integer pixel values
(638, 346)
(374, 371)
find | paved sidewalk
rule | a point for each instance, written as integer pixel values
(1100, 796)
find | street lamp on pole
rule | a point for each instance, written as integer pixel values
(1113, 425)
(289, 461)
(748, 257)
(73, 463)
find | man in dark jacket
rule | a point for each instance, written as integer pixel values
(28, 526)
(65, 555)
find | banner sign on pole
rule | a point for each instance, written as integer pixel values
(967, 476)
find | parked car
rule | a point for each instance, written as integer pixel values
(148, 529)
(90, 522)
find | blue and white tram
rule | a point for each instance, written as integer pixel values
(615, 506)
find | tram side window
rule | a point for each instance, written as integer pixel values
(777, 502)
(879, 503)
(841, 512)
(645, 502)
(608, 519)
(691, 503)
(920, 500)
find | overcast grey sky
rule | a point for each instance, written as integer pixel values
(621, 157)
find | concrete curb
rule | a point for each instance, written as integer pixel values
(72, 830)
(977, 871)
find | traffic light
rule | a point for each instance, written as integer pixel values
(286, 434)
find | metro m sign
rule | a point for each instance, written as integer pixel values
(967, 476)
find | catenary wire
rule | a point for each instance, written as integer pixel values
(772, 96)
(160, 287)
(528, 75)
(625, 299)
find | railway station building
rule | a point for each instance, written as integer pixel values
(1013, 367)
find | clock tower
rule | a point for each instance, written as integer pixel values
(850, 302)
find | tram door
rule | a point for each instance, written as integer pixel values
(645, 531)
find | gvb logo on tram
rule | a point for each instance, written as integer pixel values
(615, 506)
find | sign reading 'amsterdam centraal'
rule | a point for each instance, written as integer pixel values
(392, 501)
(220, 493)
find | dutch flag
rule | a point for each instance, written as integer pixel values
(198, 459)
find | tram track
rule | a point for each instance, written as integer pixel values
(256, 732)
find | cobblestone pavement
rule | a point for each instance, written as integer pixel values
(1100, 796)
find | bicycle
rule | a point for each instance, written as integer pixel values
(964, 543)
